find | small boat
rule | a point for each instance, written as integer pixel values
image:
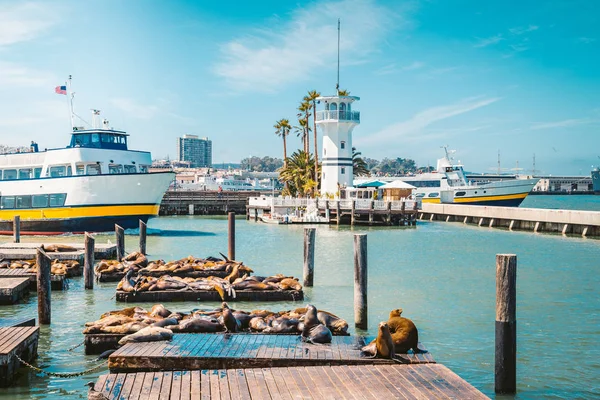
(268, 219)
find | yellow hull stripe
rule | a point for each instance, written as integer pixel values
(80, 212)
(433, 200)
(491, 198)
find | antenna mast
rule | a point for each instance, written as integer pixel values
(70, 95)
(337, 85)
(533, 172)
(499, 162)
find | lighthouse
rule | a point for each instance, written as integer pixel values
(337, 121)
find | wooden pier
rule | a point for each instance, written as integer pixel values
(424, 381)
(160, 296)
(204, 202)
(192, 351)
(26, 251)
(23, 342)
(12, 290)
(347, 212)
(58, 282)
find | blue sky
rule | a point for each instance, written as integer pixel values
(521, 77)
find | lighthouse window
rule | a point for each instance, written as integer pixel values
(8, 202)
(333, 107)
(57, 200)
(343, 170)
(343, 145)
(10, 174)
(23, 201)
(39, 200)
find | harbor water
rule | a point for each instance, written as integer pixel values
(441, 274)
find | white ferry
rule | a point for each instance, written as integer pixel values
(450, 186)
(90, 185)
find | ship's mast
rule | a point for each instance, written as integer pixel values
(70, 95)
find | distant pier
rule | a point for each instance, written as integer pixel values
(204, 202)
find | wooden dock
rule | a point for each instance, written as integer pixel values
(58, 282)
(160, 296)
(193, 351)
(116, 277)
(22, 341)
(26, 251)
(423, 381)
(204, 202)
(12, 290)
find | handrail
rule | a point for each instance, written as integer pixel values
(338, 115)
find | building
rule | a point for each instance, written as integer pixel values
(197, 151)
(564, 184)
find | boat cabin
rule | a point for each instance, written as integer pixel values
(99, 139)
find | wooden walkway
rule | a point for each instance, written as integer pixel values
(160, 296)
(21, 341)
(12, 290)
(193, 351)
(57, 282)
(424, 381)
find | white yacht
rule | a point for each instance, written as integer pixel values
(90, 185)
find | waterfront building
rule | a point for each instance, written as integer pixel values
(564, 184)
(337, 121)
(197, 151)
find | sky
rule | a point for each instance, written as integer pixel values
(519, 78)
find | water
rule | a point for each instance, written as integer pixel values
(441, 274)
(566, 202)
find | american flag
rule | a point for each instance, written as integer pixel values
(60, 90)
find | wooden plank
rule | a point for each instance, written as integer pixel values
(195, 389)
(214, 384)
(146, 386)
(232, 382)
(351, 384)
(117, 386)
(176, 385)
(367, 390)
(165, 388)
(243, 384)
(340, 386)
(407, 390)
(205, 393)
(108, 384)
(375, 375)
(100, 382)
(186, 383)
(137, 386)
(127, 386)
(156, 385)
(281, 383)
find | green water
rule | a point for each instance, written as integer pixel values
(441, 274)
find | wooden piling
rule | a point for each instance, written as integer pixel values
(43, 287)
(143, 227)
(360, 281)
(389, 212)
(231, 235)
(88, 264)
(309, 256)
(256, 215)
(352, 212)
(17, 229)
(120, 236)
(338, 213)
(506, 324)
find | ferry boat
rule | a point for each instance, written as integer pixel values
(90, 185)
(449, 185)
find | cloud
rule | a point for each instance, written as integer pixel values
(565, 123)
(484, 42)
(293, 50)
(586, 40)
(392, 68)
(24, 21)
(421, 120)
(16, 75)
(521, 30)
(135, 109)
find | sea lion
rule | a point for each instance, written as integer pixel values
(197, 325)
(313, 331)
(149, 334)
(383, 345)
(165, 322)
(257, 324)
(57, 248)
(290, 284)
(229, 321)
(243, 318)
(252, 285)
(130, 327)
(128, 312)
(404, 333)
(283, 325)
(333, 322)
(160, 311)
(127, 283)
(310, 319)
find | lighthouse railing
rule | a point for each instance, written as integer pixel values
(338, 115)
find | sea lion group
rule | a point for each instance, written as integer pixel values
(316, 326)
(396, 336)
(66, 267)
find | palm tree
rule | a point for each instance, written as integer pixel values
(359, 166)
(343, 92)
(300, 130)
(304, 109)
(312, 97)
(282, 129)
(298, 174)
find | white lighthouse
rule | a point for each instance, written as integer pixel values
(337, 121)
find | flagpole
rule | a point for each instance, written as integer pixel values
(70, 101)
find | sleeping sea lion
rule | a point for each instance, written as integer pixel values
(197, 325)
(333, 322)
(257, 324)
(165, 322)
(149, 334)
(56, 248)
(383, 345)
(283, 325)
(158, 310)
(313, 331)
(404, 333)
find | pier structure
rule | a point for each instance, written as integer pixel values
(575, 222)
(204, 202)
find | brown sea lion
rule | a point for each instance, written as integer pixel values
(160, 311)
(127, 283)
(383, 345)
(243, 318)
(252, 285)
(130, 327)
(165, 322)
(128, 312)
(56, 248)
(310, 319)
(149, 334)
(257, 324)
(404, 333)
(283, 325)
(229, 321)
(290, 284)
(313, 331)
(333, 322)
(198, 325)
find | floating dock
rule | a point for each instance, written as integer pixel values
(160, 296)
(27, 251)
(424, 381)
(57, 282)
(23, 342)
(194, 351)
(575, 222)
(12, 290)
(115, 277)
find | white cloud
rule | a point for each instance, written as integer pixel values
(135, 109)
(291, 51)
(421, 120)
(24, 21)
(521, 30)
(586, 40)
(16, 75)
(484, 42)
(565, 123)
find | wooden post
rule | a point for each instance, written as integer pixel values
(327, 210)
(17, 229)
(338, 211)
(360, 281)
(43, 286)
(142, 237)
(256, 215)
(231, 230)
(371, 208)
(506, 324)
(120, 235)
(352, 211)
(389, 212)
(88, 264)
(309, 256)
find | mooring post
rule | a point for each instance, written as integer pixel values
(142, 229)
(389, 212)
(309, 256)
(231, 233)
(352, 211)
(17, 229)
(338, 211)
(256, 215)
(43, 286)
(506, 324)
(120, 235)
(360, 281)
(88, 264)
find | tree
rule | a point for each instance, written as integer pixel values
(282, 129)
(265, 164)
(300, 131)
(303, 115)
(299, 174)
(359, 167)
(312, 97)
(343, 92)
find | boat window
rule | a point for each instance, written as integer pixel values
(420, 195)
(79, 169)
(434, 194)
(115, 169)
(143, 169)
(58, 171)
(130, 169)
(460, 194)
(10, 174)
(92, 169)
(8, 202)
(57, 200)
(69, 171)
(37, 172)
(25, 174)
(23, 201)
(95, 138)
(39, 200)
